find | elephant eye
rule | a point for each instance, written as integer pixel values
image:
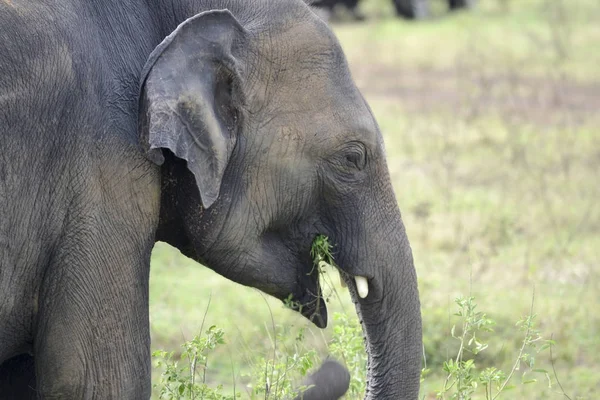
(355, 156)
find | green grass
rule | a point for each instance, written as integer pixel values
(500, 198)
(529, 35)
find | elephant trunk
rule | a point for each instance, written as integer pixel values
(329, 382)
(390, 313)
(392, 328)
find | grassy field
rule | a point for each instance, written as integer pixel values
(493, 138)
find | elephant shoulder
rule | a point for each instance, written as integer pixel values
(41, 54)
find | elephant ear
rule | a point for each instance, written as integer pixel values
(190, 98)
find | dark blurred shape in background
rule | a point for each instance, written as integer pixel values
(409, 9)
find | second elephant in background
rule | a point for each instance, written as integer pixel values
(410, 9)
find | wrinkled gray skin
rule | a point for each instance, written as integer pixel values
(237, 138)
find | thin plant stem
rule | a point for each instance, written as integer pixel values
(525, 342)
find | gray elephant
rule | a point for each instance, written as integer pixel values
(417, 9)
(410, 9)
(231, 130)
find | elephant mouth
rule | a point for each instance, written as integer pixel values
(304, 294)
(311, 303)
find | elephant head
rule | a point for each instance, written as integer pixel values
(265, 142)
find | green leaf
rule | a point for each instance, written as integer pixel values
(545, 346)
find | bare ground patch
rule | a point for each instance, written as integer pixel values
(471, 92)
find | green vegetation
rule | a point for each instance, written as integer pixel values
(493, 141)
(186, 378)
(464, 380)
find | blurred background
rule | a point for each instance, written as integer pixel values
(490, 116)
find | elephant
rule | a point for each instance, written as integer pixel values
(417, 9)
(329, 5)
(410, 9)
(231, 130)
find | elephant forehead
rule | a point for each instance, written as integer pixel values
(294, 49)
(289, 134)
(303, 94)
(313, 97)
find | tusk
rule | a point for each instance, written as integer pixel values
(362, 286)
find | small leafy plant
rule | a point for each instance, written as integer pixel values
(275, 377)
(185, 378)
(462, 377)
